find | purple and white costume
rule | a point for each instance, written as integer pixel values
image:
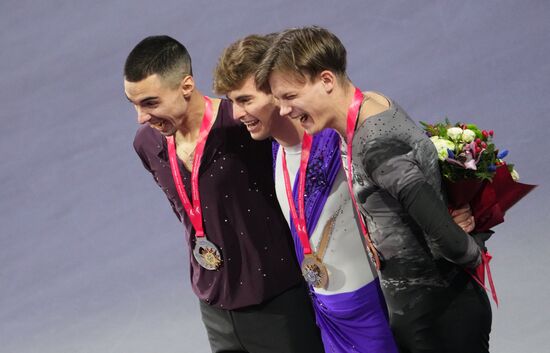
(351, 311)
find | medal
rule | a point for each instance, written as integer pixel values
(314, 271)
(205, 252)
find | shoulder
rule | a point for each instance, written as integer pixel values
(224, 116)
(147, 139)
(378, 98)
(374, 104)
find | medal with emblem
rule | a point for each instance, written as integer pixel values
(314, 272)
(207, 254)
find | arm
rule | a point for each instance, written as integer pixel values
(391, 167)
(145, 161)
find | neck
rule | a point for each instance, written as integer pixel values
(342, 100)
(190, 127)
(288, 133)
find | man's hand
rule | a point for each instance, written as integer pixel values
(464, 218)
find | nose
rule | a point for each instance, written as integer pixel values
(238, 112)
(284, 109)
(143, 116)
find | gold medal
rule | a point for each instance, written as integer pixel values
(314, 272)
(207, 254)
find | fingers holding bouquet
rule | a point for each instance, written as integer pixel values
(464, 218)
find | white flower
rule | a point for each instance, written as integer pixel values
(515, 175)
(468, 135)
(441, 145)
(454, 133)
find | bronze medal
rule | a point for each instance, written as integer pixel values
(207, 254)
(314, 272)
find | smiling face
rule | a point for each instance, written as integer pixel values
(157, 103)
(303, 99)
(255, 109)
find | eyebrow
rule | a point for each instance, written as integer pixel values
(243, 97)
(142, 101)
(287, 94)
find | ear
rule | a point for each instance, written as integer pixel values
(328, 80)
(187, 86)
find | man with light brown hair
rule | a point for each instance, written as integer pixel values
(423, 256)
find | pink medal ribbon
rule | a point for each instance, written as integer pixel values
(314, 271)
(206, 253)
(299, 219)
(352, 118)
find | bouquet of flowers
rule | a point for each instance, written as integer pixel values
(475, 173)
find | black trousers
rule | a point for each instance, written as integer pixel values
(284, 324)
(458, 320)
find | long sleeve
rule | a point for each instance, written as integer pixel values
(145, 161)
(391, 165)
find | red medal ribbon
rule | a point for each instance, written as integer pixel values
(299, 219)
(350, 131)
(478, 274)
(194, 210)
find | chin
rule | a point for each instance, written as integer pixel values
(260, 136)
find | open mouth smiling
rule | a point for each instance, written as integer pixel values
(251, 124)
(157, 124)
